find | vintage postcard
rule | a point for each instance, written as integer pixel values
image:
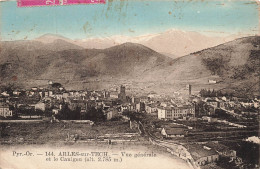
(123, 84)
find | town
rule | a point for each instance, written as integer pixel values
(206, 129)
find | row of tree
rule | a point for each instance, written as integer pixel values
(93, 114)
(214, 93)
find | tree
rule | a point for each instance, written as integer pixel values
(3, 131)
(95, 115)
(134, 115)
(213, 93)
(64, 113)
(219, 93)
(201, 108)
(75, 114)
(56, 85)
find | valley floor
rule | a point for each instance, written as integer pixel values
(38, 145)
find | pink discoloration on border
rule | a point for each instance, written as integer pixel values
(28, 3)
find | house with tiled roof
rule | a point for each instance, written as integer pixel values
(202, 154)
(171, 112)
(173, 132)
(222, 149)
(114, 94)
(151, 108)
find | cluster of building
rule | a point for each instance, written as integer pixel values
(39, 102)
(52, 100)
(234, 106)
(232, 102)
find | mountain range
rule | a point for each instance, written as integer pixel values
(234, 65)
(173, 43)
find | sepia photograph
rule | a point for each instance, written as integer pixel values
(123, 84)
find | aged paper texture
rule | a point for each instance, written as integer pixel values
(122, 84)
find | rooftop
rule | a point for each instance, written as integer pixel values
(218, 147)
(197, 151)
(175, 131)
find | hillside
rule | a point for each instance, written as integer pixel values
(234, 65)
(237, 59)
(39, 63)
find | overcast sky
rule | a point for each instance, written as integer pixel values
(131, 18)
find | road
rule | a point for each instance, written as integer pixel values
(169, 146)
